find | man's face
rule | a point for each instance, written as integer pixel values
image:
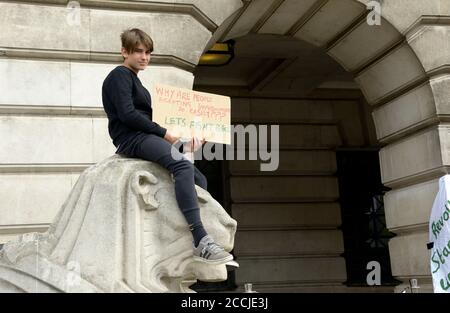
(138, 60)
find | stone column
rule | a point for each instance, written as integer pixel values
(409, 88)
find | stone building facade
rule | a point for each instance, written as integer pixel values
(317, 68)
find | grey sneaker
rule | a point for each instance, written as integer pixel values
(210, 252)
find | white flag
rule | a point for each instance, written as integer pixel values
(440, 237)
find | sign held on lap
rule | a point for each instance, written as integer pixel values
(189, 113)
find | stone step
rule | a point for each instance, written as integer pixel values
(284, 189)
(291, 136)
(288, 242)
(315, 288)
(255, 109)
(286, 215)
(291, 162)
(291, 270)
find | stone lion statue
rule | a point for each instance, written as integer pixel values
(119, 230)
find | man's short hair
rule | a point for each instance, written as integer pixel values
(131, 38)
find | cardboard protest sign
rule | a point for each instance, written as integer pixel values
(440, 237)
(190, 113)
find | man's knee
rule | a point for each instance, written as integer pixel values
(184, 166)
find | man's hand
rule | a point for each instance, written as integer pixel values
(193, 145)
(171, 137)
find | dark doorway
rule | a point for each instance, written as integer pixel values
(363, 217)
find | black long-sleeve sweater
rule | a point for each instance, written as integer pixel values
(127, 104)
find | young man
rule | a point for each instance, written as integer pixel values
(127, 104)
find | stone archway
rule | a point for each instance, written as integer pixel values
(403, 79)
